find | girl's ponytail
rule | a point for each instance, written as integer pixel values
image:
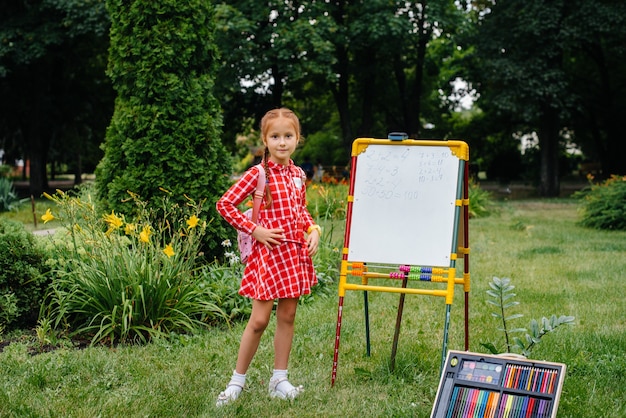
(268, 193)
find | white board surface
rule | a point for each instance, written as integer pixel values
(403, 209)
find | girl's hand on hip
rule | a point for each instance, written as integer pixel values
(268, 237)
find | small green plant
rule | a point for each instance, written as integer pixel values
(44, 333)
(501, 295)
(8, 310)
(603, 204)
(480, 201)
(8, 197)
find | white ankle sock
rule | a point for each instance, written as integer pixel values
(284, 386)
(279, 374)
(237, 382)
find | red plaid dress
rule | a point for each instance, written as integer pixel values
(285, 271)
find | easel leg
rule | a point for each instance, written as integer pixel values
(396, 335)
(444, 349)
(367, 323)
(337, 334)
(466, 321)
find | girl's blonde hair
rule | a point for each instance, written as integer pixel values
(265, 126)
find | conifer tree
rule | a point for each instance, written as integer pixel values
(166, 127)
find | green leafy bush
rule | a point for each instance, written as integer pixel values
(604, 204)
(22, 274)
(127, 280)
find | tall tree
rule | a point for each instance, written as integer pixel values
(370, 56)
(269, 47)
(520, 71)
(596, 69)
(51, 78)
(165, 130)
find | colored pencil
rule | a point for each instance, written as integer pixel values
(544, 382)
(461, 403)
(541, 408)
(505, 381)
(516, 406)
(475, 402)
(453, 401)
(482, 404)
(530, 378)
(517, 374)
(468, 402)
(529, 408)
(552, 379)
(540, 381)
(493, 404)
(465, 403)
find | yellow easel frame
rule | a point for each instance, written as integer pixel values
(439, 274)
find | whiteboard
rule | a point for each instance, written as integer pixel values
(404, 203)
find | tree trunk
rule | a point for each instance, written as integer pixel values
(36, 154)
(549, 148)
(279, 87)
(341, 95)
(398, 70)
(422, 40)
(38, 181)
(368, 93)
(78, 169)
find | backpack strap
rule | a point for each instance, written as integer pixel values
(258, 193)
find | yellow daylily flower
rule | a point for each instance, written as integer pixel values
(48, 216)
(168, 250)
(113, 220)
(144, 235)
(193, 221)
(129, 229)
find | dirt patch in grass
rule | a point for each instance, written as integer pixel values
(34, 347)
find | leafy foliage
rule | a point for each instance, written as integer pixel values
(548, 74)
(8, 310)
(222, 281)
(165, 130)
(480, 201)
(57, 100)
(8, 197)
(502, 295)
(127, 280)
(327, 202)
(23, 271)
(602, 206)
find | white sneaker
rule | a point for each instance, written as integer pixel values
(230, 394)
(286, 389)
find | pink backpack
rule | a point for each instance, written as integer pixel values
(244, 240)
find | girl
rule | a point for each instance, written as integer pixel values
(280, 265)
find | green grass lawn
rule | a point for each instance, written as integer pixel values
(30, 213)
(556, 266)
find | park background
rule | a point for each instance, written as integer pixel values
(149, 96)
